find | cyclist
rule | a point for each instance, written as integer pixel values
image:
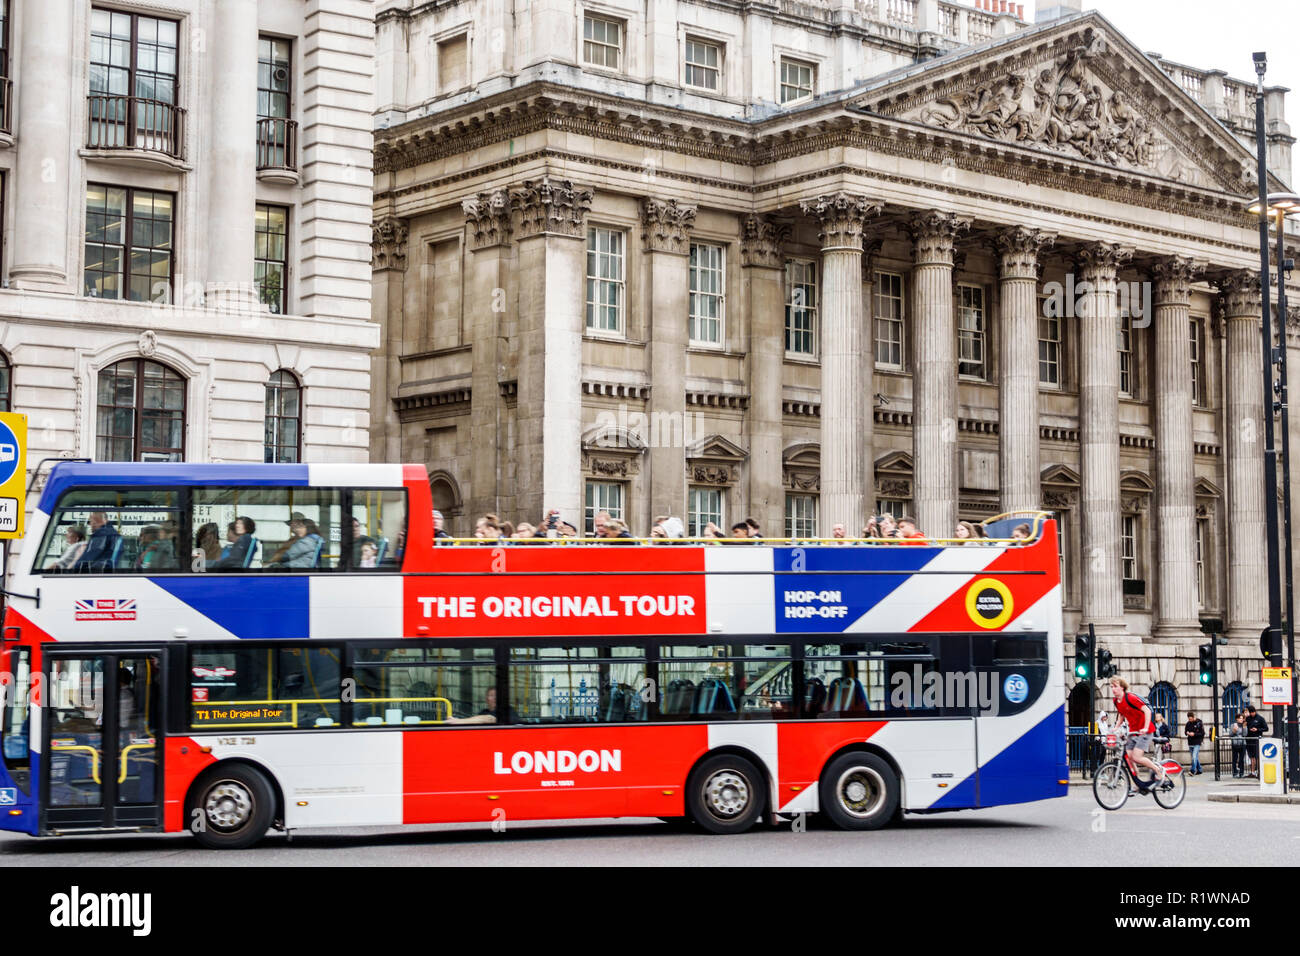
(1140, 726)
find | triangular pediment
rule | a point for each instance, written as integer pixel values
(1077, 89)
(716, 448)
(894, 463)
(1060, 475)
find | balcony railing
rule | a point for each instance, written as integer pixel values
(6, 104)
(132, 122)
(277, 143)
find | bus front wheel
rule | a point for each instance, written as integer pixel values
(230, 808)
(859, 791)
(725, 794)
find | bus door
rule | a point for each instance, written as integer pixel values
(103, 740)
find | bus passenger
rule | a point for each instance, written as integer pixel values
(156, 551)
(369, 554)
(966, 532)
(1021, 532)
(304, 547)
(206, 540)
(908, 531)
(488, 715)
(75, 536)
(237, 556)
(103, 542)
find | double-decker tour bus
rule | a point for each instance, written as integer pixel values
(228, 649)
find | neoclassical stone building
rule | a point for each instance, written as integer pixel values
(186, 205)
(808, 261)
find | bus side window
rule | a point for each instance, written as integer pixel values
(114, 530)
(378, 529)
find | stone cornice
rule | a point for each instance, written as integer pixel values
(1019, 249)
(1239, 295)
(761, 238)
(841, 218)
(388, 244)
(666, 226)
(488, 216)
(1174, 277)
(551, 207)
(933, 234)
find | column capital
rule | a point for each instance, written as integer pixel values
(388, 244)
(761, 238)
(1100, 261)
(1174, 277)
(842, 218)
(551, 207)
(488, 215)
(1019, 247)
(1239, 295)
(666, 226)
(933, 235)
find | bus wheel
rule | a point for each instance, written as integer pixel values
(859, 791)
(725, 794)
(230, 808)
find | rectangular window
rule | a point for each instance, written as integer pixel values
(797, 80)
(1198, 368)
(1129, 547)
(423, 686)
(236, 687)
(576, 685)
(1202, 549)
(898, 507)
(113, 530)
(800, 516)
(703, 64)
(603, 496)
(274, 529)
(703, 506)
(970, 332)
(1049, 350)
(6, 77)
(276, 132)
(801, 307)
(605, 283)
(707, 284)
(1062, 553)
(602, 42)
(133, 81)
(453, 63)
(1125, 346)
(726, 682)
(378, 529)
(129, 242)
(889, 320)
(271, 256)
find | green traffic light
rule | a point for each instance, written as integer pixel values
(1081, 670)
(1205, 678)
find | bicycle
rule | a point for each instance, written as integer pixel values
(1116, 780)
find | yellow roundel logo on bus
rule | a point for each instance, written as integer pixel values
(988, 603)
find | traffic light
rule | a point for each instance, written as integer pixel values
(1206, 663)
(1105, 668)
(1083, 656)
(1267, 645)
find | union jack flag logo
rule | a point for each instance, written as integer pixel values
(105, 609)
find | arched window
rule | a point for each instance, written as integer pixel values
(1234, 698)
(283, 418)
(6, 384)
(141, 412)
(1164, 700)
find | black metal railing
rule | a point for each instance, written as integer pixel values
(133, 122)
(6, 104)
(277, 143)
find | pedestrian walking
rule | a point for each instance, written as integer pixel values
(1238, 735)
(1195, 734)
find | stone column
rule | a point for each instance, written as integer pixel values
(1019, 464)
(761, 263)
(388, 267)
(488, 218)
(666, 234)
(552, 235)
(232, 157)
(41, 173)
(846, 388)
(934, 373)
(1176, 607)
(1103, 596)
(1243, 426)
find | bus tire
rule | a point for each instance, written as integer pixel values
(859, 791)
(230, 807)
(725, 794)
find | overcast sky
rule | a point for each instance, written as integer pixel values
(1216, 35)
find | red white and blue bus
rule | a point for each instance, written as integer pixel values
(228, 649)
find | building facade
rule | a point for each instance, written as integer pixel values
(810, 261)
(186, 222)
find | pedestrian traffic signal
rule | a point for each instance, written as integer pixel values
(1207, 663)
(1083, 656)
(1105, 668)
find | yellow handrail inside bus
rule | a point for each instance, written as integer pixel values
(126, 752)
(94, 757)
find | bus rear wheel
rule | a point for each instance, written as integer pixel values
(230, 808)
(725, 794)
(859, 791)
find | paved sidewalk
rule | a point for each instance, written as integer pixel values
(1247, 791)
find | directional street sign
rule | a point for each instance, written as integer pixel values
(1275, 686)
(13, 473)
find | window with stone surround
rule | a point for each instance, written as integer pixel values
(271, 256)
(703, 64)
(134, 80)
(1129, 548)
(798, 80)
(6, 77)
(702, 506)
(6, 384)
(1124, 343)
(889, 314)
(898, 507)
(602, 496)
(605, 280)
(283, 432)
(1049, 347)
(1202, 542)
(706, 294)
(140, 413)
(801, 516)
(128, 243)
(801, 307)
(971, 335)
(453, 63)
(602, 42)
(276, 132)
(1197, 343)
